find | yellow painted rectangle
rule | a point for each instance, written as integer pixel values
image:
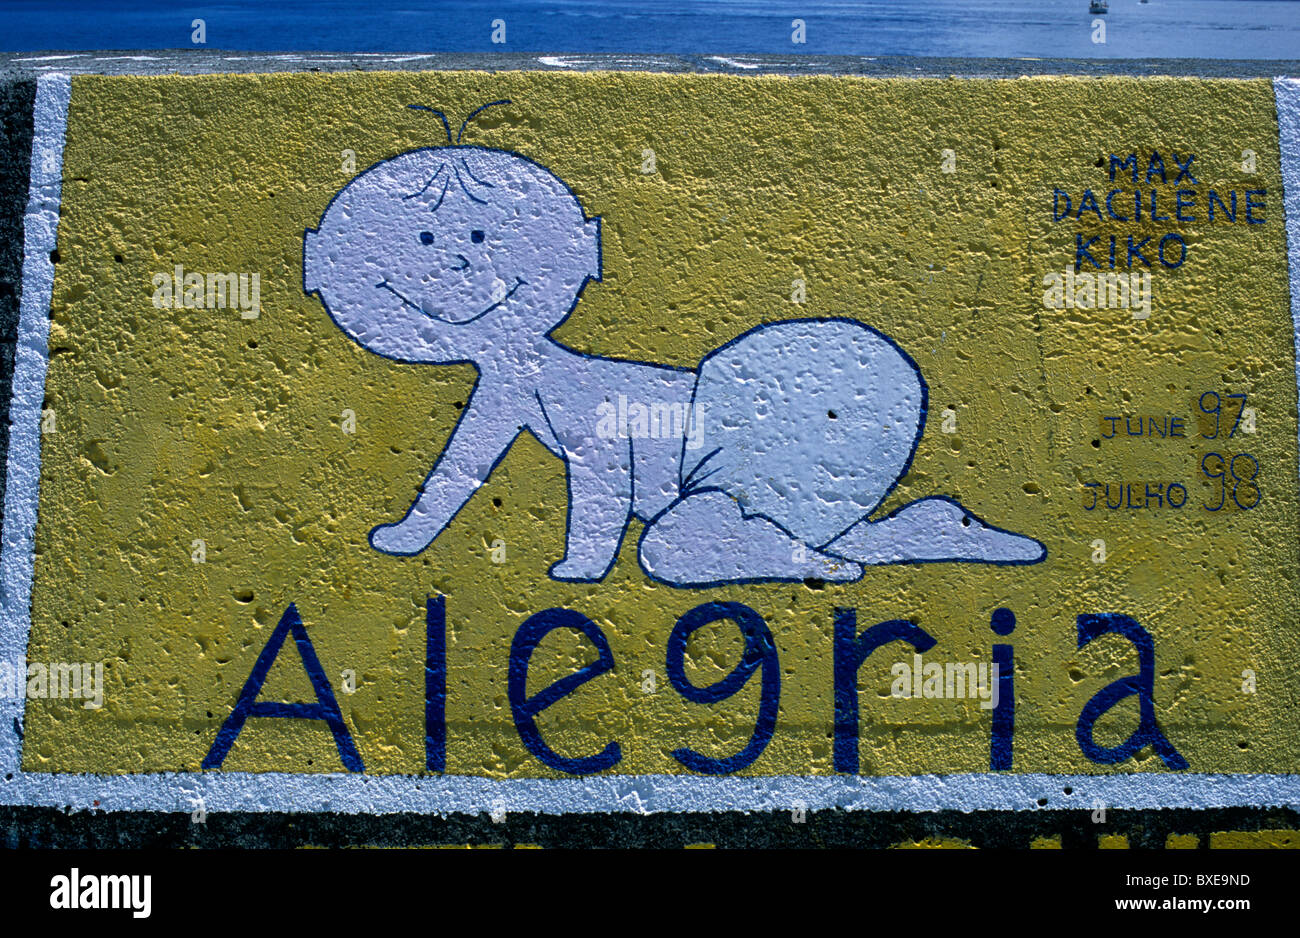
(179, 426)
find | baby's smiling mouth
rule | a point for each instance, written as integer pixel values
(385, 285)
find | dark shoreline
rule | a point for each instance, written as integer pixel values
(18, 65)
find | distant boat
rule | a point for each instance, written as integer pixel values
(1099, 6)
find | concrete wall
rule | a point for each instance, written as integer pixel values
(917, 419)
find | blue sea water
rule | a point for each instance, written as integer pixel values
(1244, 29)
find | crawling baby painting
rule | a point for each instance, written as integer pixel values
(767, 462)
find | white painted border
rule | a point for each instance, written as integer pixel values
(31, 356)
(1286, 95)
(386, 794)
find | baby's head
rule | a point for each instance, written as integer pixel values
(440, 254)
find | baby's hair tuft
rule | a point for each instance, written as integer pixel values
(476, 112)
(445, 126)
(465, 123)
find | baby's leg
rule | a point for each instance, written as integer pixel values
(930, 530)
(705, 539)
(600, 504)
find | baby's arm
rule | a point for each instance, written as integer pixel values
(477, 443)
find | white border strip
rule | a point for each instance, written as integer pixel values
(31, 356)
(387, 794)
(1286, 95)
(642, 794)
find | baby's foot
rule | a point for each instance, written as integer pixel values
(831, 569)
(405, 538)
(575, 571)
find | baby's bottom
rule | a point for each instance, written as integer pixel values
(806, 426)
(706, 540)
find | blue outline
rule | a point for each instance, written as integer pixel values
(689, 485)
(745, 516)
(470, 173)
(920, 427)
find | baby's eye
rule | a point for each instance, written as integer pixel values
(426, 237)
(476, 236)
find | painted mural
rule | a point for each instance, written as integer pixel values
(779, 446)
(663, 437)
